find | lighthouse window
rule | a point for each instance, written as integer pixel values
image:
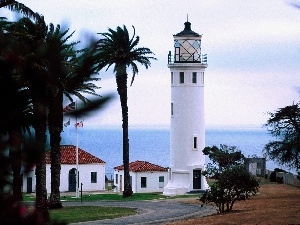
(172, 109)
(171, 77)
(181, 77)
(195, 143)
(194, 77)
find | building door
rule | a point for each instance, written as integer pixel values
(196, 179)
(72, 180)
(121, 183)
(29, 184)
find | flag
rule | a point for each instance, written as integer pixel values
(67, 123)
(70, 107)
(80, 124)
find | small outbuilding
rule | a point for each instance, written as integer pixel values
(144, 177)
(91, 172)
(256, 166)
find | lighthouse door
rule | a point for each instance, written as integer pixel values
(196, 179)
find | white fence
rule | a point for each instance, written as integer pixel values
(289, 178)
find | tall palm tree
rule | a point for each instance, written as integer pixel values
(14, 117)
(33, 72)
(118, 49)
(28, 67)
(64, 65)
(32, 36)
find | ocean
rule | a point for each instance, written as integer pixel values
(153, 145)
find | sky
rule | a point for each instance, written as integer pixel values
(253, 49)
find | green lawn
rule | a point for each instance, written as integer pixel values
(116, 197)
(88, 213)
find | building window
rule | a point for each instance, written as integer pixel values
(93, 177)
(195, 142)
(171, 77)
(181, 74)
(194, 77)
(161, 180)
(116, 178)
(143, 182)
(172, 112)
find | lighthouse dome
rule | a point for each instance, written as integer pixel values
(187, 31)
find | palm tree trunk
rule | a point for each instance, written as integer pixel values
(55, 119)
(122, 91)
(15, 142)
(40, 136)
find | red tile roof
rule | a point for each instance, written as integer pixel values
(68, 156)
(142, 166)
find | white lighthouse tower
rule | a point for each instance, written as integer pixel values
(187, 134)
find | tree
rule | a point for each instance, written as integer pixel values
(118, 49)
(19, 52)
(57, 54)
(32, 35)
(65, 64)
(222, 158)
(233, 181)
(284, 125)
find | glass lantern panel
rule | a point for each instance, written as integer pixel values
(196, 44)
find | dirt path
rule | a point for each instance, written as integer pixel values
(275, 204)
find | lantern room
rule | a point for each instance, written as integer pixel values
(187, 47)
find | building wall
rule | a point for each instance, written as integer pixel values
(187, 120)
(152, 181)
(256, 166)
(187, 125)
(30, 175)
(84, 177)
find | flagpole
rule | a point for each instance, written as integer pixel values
(77, 191)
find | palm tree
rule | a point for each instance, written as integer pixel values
(15, 118)
(33, 72)
(118, 49)
(64, 65)
(23, 53)
(16, 6)
(38, 83)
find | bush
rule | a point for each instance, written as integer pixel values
(234, 184)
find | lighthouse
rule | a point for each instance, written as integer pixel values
(187, 131)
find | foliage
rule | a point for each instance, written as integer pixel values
(35, 62)
(233, 181)
(284, 125)
(222, 158)
(117, 49)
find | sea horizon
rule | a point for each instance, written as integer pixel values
(152, 143)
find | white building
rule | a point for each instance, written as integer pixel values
(187, 132)
(91, 172)
(144, 177)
